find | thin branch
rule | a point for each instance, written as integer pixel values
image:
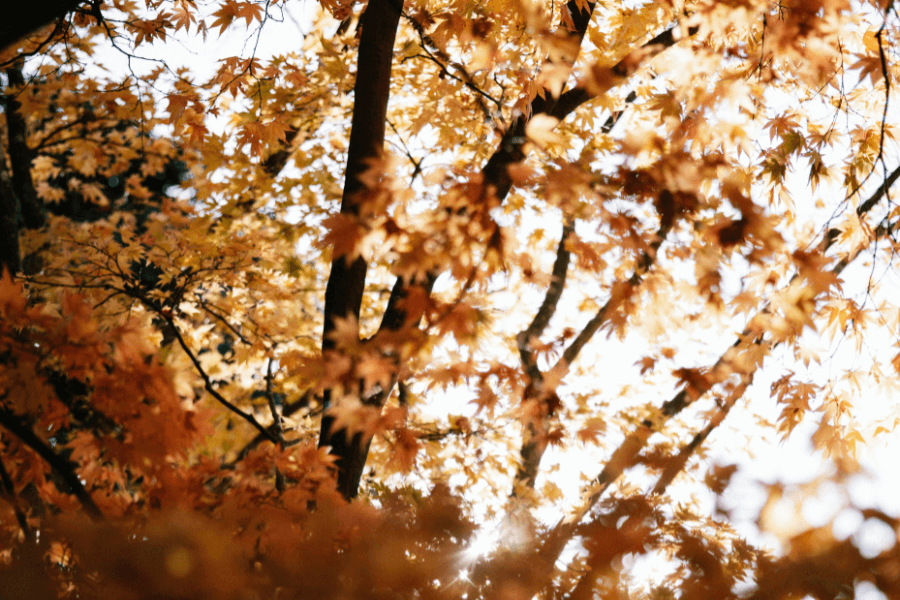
(548, 307)
(206, 306)
(443, 61)
(646, 260)
(535, 442)
(677, 463)
(208, 385)
(82, 120)
(536, 432)
(614, 117)
(61, 25)
(625, 456)
(417, 164)
(270, 397)
(286, 411)
(9, 492)
(276, 424)
(534, 436)
(497, 179)
(494, 174)
(887, 81)
(63, 467)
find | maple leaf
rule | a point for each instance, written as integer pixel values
(591, 432)
(541, 130)
(346, 332)
(231, 10)
(177, 104)
(345, 235)
(355, 417)
(148, 30)
(184, 14)
(12, 300)
(646, 363)
(696, 382)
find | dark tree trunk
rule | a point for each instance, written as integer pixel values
(31, 17)
(343, 294)
(9, 230)
(20, 155)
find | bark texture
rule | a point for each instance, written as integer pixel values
(344, 291)
(20, 155)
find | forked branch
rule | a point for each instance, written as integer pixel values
(532, 333)
(626, 455)
(679, 462)
(208, 385)
(542, 404)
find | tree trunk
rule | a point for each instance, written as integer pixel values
(35, 15)
(343, 294)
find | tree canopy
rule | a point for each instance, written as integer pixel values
(445, 299)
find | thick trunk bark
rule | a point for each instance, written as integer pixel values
(20, 155)
(9, 230)
(343, 293)
(35, 15)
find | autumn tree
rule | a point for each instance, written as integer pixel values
(444, 299)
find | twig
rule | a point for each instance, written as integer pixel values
(208, 385)
(206, 306)
(417, 164)
(438, 55)
(276, 424)
(286, 411)
(60, 25)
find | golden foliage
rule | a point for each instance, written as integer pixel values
(169, 344)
